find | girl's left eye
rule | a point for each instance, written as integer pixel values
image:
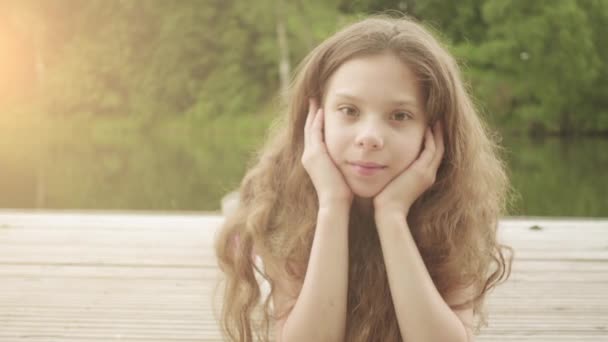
(401, 116)
(348, 111)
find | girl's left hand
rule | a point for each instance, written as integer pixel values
(400, 193)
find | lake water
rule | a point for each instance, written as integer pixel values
(553, 177)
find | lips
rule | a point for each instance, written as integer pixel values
(366, 169)
(368, 165)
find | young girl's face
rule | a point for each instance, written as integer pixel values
(374, 116)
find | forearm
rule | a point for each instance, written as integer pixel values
(320, 310)
(422, 314)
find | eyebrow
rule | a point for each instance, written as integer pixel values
(397, 102)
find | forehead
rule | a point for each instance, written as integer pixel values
(382, 77)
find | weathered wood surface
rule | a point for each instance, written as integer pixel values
(74, 276)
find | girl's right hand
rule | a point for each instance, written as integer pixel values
(327, 179)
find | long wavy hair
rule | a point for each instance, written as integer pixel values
(454, 223)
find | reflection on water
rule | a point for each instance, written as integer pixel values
(559, 177)
(552, 177)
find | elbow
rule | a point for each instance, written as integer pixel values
(462, 335)
(458, 333)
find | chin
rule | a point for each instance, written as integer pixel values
(366, 189)
(366, 192)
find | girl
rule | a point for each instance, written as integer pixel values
(374, 205)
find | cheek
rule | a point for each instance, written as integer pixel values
(408, 153)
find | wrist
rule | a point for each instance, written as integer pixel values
(334, 217)
(390, 212)
(335, 204)
(334, 208)
(391, 206)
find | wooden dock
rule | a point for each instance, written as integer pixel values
(103, 276)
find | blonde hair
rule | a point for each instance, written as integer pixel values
(454, 222)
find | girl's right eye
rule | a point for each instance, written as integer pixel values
(349, 111)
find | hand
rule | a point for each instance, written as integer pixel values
(327, 179)
(403, 190)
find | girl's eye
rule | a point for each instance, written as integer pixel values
(349, 111)
(401, 116)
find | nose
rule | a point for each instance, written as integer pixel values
(370, 139)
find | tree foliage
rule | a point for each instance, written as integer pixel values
(532, 65)
(117, 82)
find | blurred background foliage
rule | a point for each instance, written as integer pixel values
(160, 105)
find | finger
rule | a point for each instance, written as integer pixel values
(429, 149)
(440, 147)
(317, 129)
(310, 117)
(312, 109)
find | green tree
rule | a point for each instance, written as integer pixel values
(533, 65)
(543, 53)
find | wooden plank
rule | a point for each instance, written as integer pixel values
(70, 276)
